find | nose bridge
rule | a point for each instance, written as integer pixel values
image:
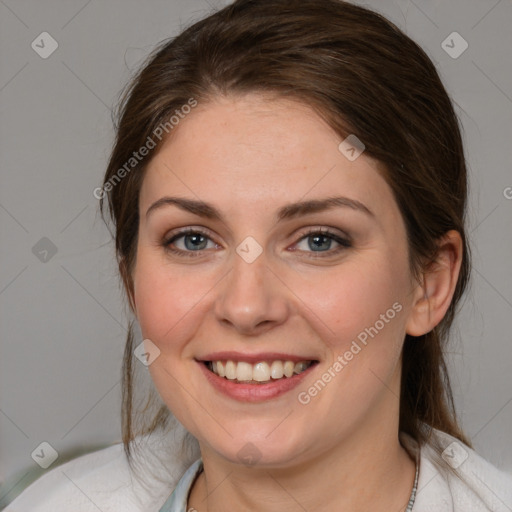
(250, 296)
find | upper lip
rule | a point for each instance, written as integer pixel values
(253, 358)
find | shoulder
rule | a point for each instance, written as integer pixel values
(455, 478)
(101, 480)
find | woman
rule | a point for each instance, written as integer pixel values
(288, 190)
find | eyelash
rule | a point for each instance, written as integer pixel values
(344, 243)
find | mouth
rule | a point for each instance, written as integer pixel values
(262, 372)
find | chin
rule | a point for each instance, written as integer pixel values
(258, 450)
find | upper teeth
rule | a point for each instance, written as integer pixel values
(259, 372)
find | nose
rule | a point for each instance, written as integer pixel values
(252, 299)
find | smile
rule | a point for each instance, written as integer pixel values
(262, 372)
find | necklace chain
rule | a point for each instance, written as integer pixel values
(414, 489)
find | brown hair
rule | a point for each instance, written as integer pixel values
(363, 76)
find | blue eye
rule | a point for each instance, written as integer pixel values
(195, 241)
(322, 240)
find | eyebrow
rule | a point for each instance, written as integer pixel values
(289, 211)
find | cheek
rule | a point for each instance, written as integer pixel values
(359, 313)
(170, 300)
(171, 304)
(347, 302)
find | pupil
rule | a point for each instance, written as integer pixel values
(316, 239)
(196, 241)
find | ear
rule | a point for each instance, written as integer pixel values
(433, 296)
(128, 284)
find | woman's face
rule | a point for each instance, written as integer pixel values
(260, 284)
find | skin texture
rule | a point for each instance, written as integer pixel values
(248, 156)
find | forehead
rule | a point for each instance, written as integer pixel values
(250, 152)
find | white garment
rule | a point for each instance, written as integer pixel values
(103, 481)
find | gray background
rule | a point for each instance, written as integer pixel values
(63, 316)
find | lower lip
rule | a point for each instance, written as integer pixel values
(254, 392)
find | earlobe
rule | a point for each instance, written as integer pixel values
(433, 296)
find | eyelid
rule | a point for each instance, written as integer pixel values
(299, 232)
(329, 230)
(186, 230)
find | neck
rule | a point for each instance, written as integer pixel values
(369, 470)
